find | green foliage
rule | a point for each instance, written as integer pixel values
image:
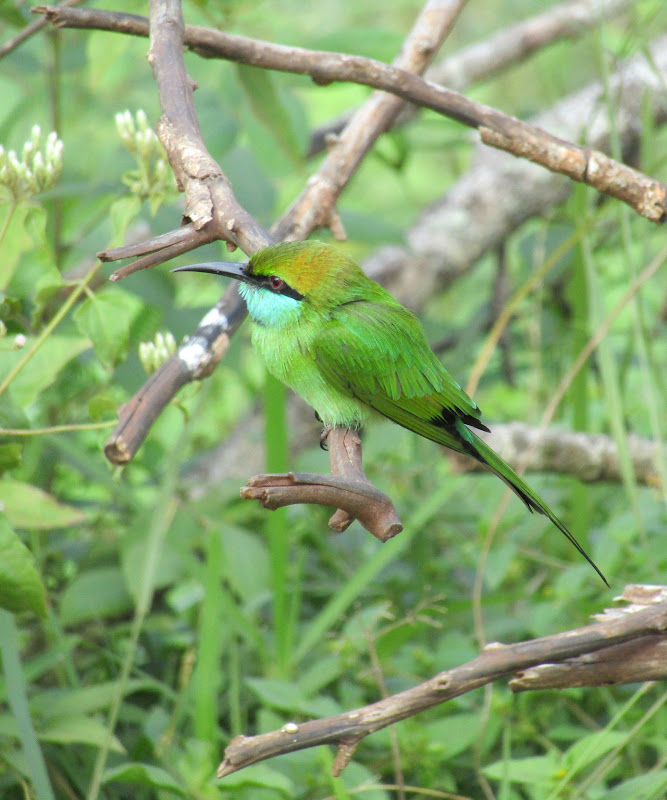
(155, 615)
(20, 586)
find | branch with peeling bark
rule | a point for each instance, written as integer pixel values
(645, 195)
(638, 629)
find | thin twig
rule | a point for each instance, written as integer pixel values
(30, 30)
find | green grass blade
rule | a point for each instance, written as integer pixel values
(17, 698)
(275, 414)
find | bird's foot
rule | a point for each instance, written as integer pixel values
(324, 436)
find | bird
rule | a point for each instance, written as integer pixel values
(349, 348)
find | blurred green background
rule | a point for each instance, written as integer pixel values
(179, 616)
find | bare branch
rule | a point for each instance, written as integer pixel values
(347, 489)
(30, 30)
(142, 248)
(496, 661)
(502, 50)
(209, 199)
(196, 358)
(316, 203)
(468, 221)
(642, 659)
(588, 457)
(645, 195)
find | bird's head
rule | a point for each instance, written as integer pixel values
(278, 280)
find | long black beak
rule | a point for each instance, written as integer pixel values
(232, 269)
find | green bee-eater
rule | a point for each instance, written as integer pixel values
(348, 348)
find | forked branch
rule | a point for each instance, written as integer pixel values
(347, 489)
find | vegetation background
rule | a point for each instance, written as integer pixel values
(179, 616)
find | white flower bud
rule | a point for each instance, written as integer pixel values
(36, 136)
(39, 170)
(146, 357)
(57, 157)
(28, 153)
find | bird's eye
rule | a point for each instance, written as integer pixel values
(276, 282)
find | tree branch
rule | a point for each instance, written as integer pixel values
(347, 489)
(468, 222)
(501, 50)
(646, 618)
(645, 195)
(315, 205)
(588, 457)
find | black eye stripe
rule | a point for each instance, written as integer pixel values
(284, 289)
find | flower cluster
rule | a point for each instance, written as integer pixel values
(153, 177)
(35, 171)
(153, 354)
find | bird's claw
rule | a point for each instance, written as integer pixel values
(324, 436)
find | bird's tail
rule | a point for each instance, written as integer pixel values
(495, 463)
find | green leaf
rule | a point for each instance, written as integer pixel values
(11, 414)
(592, 747)
(452, 734)
(79, 730)
(246, 564)
(123, 213)
(27, 506)
(10, 456)
(95, 594)
(106, 72)
(381, 44)
(267, 106)
(101, 406)
(21, 588)
(10, 14)
(259, 775)
(25, 232)
(43, 367)
(536, 771)
(105, 318)
(168, 570)
(290, 698)
(144, 775)
(644, 787)
(56, 703)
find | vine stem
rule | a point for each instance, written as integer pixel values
(43, 336)
(84, 426)
(8, 218)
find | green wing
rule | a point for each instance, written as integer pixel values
(378, 353)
